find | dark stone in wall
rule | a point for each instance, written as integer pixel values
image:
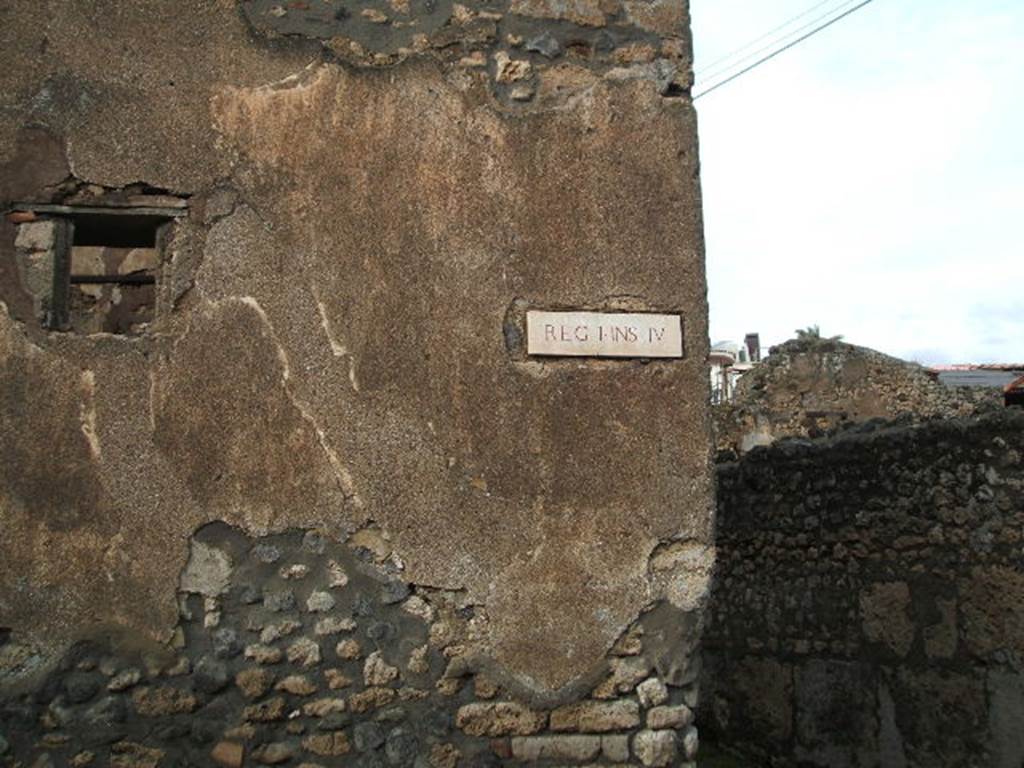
(372, 23)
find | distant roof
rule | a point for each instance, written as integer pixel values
(731, 347)
(995, 375)
(978, 367)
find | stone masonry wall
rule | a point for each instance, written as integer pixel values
(523, 50)
(811, 388)
(302, 238)
(292, 649)
(869, 600)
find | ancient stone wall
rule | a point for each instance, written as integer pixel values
(869, 599)
(265, 268)
(291, 648)
(812, 387)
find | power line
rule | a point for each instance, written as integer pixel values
(785, 48)
(778, 41)
(757, 40)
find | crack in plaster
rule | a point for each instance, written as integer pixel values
(298, 79)
(113, 557)
(87, 414)
(345, 478)
(338, 349)
(69, 157)
(152, 400)
(341, 472)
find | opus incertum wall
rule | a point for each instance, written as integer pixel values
(869, 598)
(284, 477)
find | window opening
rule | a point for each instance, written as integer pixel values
(104, 265)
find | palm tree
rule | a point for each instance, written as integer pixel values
(813, 333)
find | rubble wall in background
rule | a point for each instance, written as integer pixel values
(869, 599)
(814, 387)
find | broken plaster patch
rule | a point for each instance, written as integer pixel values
(681, 573)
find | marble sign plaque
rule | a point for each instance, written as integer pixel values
(603, 334)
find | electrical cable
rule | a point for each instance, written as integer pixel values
(755, 41)
(778, 41)
(783, 49)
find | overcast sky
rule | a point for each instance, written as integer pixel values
(870, 180)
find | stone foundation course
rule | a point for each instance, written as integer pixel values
(295, 650)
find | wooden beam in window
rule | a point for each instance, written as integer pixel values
(64, 235)
(106, 210)
(113, 279)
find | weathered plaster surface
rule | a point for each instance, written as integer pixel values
(330, 347)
